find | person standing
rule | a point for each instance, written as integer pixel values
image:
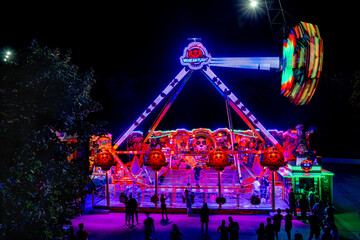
(223, 229)
(277, 222)
(132, 209)
(233, 229)
(319, 211)
(327, 235)
(197, 170)
(311, 200)
(269, 230)
(163, 207)
(298, 236)
(175, 233)
(71, 235)
(188, 202)
(256, 187)
(303, 205)
(261, 232)
(204, 218)
(82, 234)
(127, 211)
(292, 202)
(330, 211)
(149, 227)
(315, 224)
(334, 232)
(288, 223)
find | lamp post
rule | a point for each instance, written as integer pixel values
(156, 160)
(219, 160)
(273, 159)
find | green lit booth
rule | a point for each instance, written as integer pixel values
(314, 178)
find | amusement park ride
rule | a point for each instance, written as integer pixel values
(258, 150)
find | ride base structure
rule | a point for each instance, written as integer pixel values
(256, 163)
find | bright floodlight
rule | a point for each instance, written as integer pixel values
(8, 53)
(253, 3)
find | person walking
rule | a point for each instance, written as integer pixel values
(223, 229)
(261, 232)
(188, 202)
(149, 227)
(175, 233)
(277, 222)
(288, 223)
(82, 234)
(233, 229)
(269, 230)
(303, 205)
(204, 218)
(163, 207)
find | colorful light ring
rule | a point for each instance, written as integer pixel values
(302, 63)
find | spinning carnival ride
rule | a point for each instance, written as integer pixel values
(301, 67)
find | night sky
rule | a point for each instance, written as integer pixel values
(134, 49)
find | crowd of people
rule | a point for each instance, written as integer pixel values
(321, 220)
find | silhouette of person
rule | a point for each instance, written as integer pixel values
(277, 222)
(71, 235)
(298, 236)
(334, 232)
(149, 227)
(292, 202)
(261, 232)
(319, 211)
(315, 224)
(204, 218)
(197, 170)
(188, 202)
(303, 205)
(326, 235)
(127, 211)
(269, 230)
(311, 198)
(330, 211)
(223, 229)
(82, 234)
(233, 229)
(175, 233)
(288, 223)
(132, 205)
(163, 207)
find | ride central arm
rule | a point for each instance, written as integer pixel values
(225, 92)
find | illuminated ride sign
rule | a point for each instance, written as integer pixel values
(306, 165)
(195, 56)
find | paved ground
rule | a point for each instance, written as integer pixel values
(112, 226)
(346, 200)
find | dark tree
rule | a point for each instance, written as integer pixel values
(43, 95)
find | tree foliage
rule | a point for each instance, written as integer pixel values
(43, 94)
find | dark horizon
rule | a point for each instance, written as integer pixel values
(135, 49)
